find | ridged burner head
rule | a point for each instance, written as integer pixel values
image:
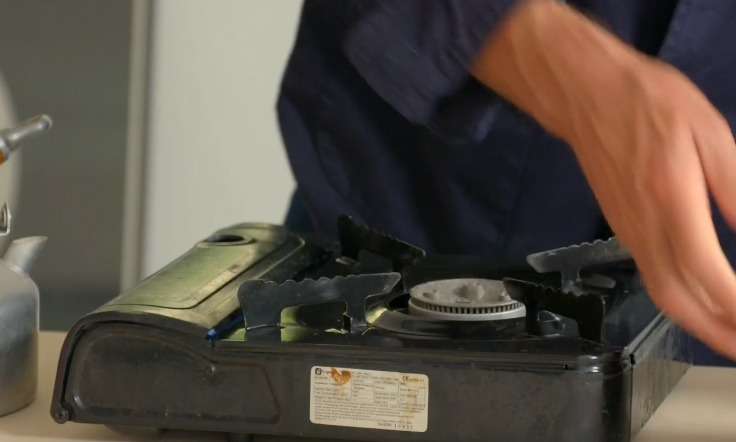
(464, 300)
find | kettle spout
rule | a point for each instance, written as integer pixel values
(22, 253)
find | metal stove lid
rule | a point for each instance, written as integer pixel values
(464, 300)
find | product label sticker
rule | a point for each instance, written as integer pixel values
(372, 399)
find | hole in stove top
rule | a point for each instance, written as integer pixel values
(228, 239)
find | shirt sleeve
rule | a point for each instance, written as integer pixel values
(414, 53)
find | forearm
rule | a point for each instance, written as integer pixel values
(554, 63)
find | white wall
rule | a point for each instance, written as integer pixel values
(215, 155)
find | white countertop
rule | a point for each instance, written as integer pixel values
(700, 409)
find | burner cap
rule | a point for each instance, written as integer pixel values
(464, 300)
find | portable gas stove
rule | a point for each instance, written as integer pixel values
(266, 334)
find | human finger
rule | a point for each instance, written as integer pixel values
(677, 299)
(697, 320)
(693, 237)
(717, 153)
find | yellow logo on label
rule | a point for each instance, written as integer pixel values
(340, 377)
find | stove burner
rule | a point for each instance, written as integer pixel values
(464, 300)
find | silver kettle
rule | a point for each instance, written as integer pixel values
(19, 325)
(19, 297)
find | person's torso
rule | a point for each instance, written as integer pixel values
(480, 177)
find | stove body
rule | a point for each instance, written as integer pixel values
(260, 331)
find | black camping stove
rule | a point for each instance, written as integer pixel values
(260, 332)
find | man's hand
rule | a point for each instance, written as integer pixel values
(649, 143)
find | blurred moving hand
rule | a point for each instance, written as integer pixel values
(649, 142)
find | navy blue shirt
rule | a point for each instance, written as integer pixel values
(381, 120)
